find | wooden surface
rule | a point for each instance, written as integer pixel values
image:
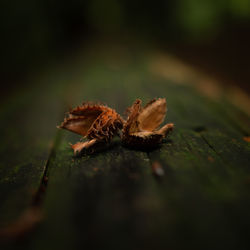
(191, 192)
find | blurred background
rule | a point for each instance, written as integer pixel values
(213, 35)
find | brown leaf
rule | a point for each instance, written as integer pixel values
(140, 129)
(94, 121)
(79, 125)
(151, 117)
(131, 125)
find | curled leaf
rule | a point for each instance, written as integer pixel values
(94, 122)
(142, 126)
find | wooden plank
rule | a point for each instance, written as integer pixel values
(206, 163)
(112, 200)
(195, 203)
(27, 134)
(99, 194)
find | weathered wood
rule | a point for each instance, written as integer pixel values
(115, 199)
(27, 134)
(112, 199)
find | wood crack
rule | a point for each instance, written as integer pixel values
(31, 216)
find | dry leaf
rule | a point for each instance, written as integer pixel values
(95, 122)
(142, 126)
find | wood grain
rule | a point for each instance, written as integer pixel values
(114, 199)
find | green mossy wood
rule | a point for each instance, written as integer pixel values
(113, 199)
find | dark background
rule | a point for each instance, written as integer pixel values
(213, 35)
